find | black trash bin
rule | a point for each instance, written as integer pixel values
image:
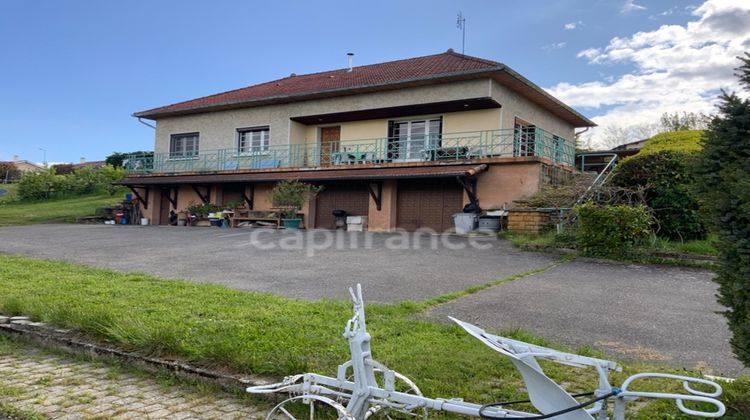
(339, 218)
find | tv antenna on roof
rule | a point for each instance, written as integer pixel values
(461, 24)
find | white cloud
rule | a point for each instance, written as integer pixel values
(570, 26)
(630, 6)
(678, 67)
(554, 46)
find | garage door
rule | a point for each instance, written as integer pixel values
(428, 204)
(351, 197)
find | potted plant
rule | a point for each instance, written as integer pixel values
(290, 196)
(198, 212)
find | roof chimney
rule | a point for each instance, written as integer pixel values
(351, 56)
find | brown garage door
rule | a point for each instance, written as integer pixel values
(428, 204)
(352, 197)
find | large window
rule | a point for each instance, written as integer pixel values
(414, 140)
(253, 140)
(183, 145)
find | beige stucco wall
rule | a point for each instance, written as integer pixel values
(479, 120)
(515, 105)
(218, 129)
(453, 122)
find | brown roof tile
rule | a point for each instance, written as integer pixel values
(431, 66)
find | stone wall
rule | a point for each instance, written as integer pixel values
(528, 220)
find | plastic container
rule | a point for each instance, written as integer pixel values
(144, 221)
(464, 222)
(489, 224)
(356, 223)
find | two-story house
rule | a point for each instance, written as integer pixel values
(406, 143)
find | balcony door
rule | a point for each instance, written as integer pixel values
(330, 143)
(412, 140)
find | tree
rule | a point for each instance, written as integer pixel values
(9, 172)
(615, 135)
(291, 195)
(685, 121)
(723, 180)
(117, 159)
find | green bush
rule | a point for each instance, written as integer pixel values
(668, 183)
(48, 184)
(688, 141)
(612, 230)
(41, 185)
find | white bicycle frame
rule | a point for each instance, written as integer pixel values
(359, 395)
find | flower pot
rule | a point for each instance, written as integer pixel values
(292, 224)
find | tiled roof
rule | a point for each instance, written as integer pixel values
(393, 72)
(92, 164)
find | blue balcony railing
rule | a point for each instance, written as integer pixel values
(415, 148)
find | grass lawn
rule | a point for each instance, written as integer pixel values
(52, 211)
(547, 240)
(10, 192)
(246, 332)
(700, 247)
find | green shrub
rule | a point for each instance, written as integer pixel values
(612, 230)
(41, 185)
(48, 184)
(688, 141)
(668, 182)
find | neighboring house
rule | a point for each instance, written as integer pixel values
(25, 165)
(597, 161)
(92, 164)
(406, 143)
(632, 146)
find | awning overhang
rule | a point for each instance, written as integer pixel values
(468, 104)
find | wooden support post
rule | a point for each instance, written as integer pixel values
(249, 199)
(470, 186)
(172, 198)
(142, 199)
(205, 198)
(377, 197)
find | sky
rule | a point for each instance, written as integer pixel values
(73, 72)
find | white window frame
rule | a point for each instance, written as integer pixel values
(245, 144)
(426, 137)
(524, 137)
(183, 153)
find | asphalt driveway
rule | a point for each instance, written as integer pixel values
(658, 314)
(391, 268)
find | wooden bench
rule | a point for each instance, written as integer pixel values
(243, 215)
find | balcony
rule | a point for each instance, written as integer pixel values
(445, 147)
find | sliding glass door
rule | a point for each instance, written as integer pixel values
(413, 140)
